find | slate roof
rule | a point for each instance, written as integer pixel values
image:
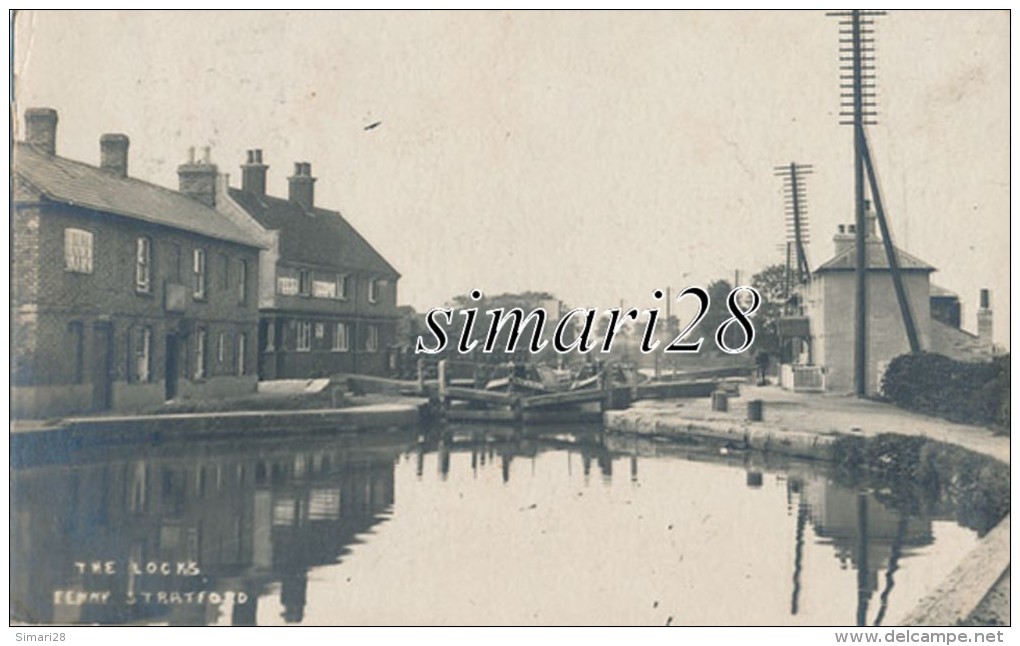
(79, 184)
(319, 236)
(875, 252)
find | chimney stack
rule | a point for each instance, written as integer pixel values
(870, 221)
(253, 173)
(844, 238)
(302, 185)
(41, 129)
(113, 154)
(197, 179)
(984, 318)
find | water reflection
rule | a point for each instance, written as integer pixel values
(247, 519)
(206, 533)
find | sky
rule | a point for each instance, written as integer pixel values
(595, 155)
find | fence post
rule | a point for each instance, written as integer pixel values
(441, 374)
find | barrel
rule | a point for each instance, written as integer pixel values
(720, 401)
(755, 410)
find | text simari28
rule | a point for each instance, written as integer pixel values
(576, 329)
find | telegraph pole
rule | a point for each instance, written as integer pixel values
(857, 65)
(793, 176)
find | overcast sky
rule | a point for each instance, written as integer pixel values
(598, 156)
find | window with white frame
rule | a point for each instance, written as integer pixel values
(242, 353)
(78, 251)
(143, 265)
(221, 348)
(143, 354)
(340, 338)
(320, 330)
(373, 290)
(371, 338)
(304, 336)
(200, 349)
(198, 270)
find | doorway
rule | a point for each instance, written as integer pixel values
(102, 367)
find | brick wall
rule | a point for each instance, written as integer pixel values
(285, 361)
(52, 304)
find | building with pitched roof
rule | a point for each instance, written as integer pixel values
(124, 294)
(823, 334)
(327, 298)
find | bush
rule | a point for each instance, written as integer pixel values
(933, 384)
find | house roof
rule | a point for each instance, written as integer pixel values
(846, 260)
(937, 290)
(78, 184)
(318, 236)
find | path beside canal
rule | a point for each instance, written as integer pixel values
(801, 415)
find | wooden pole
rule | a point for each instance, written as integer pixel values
(890, 254)
(861, 264)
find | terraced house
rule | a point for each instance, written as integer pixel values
(124, 294)
(327, 298)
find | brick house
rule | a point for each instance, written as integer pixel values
(124, 294)
(327, 298)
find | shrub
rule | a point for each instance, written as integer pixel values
(933, 384)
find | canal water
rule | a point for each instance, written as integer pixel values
(477, 526)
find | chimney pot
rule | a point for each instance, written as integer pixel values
(984, 320)
(197, 180)
(253, 174)
(41, 129)
(113, 154)
(302, 185)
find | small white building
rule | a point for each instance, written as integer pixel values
(823, 334)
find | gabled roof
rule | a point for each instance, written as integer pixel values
(318, 236)
(846, 260)
(78, 184)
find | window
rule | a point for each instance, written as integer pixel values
(270, 336)
(373, 290)
(143, 265)
(342, 285)
(221, 349)
(242, 356)
(320, 330)
(198, 268)
(304, 282)
(143, 354)
(77, 330)
(340, 338)
(200, 368)
(242, 282)
(371, 338)
(78, 251)
(304, 336)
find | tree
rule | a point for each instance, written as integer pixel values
(771, 285)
